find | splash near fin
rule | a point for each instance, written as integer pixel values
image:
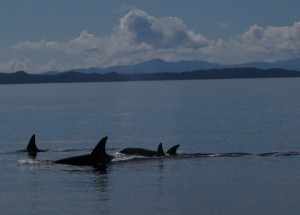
(173, 150)
(160, 151)
(99, 150)
(31, 147)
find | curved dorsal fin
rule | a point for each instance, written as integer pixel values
(160, 151)
(31, 147)
(173, 150)
(100, 147)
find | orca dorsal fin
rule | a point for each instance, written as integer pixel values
(160, 151)
(31, 147)
(173, 150)
(100, 147)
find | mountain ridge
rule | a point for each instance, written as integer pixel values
(22, 77)
(158, 65)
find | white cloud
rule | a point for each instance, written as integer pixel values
(166, 32)
(140, 37)
(272, 42)
(43, 44)
(84, 42)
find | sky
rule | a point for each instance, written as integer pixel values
(59, 35)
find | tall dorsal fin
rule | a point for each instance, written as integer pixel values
(100, 147)
(160, 151)
(173, 150)
(31, 147)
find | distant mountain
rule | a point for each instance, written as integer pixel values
(158, 65)
(154, 66)
(258, 65)
(50, 73)
(73, 77)
(293, 64)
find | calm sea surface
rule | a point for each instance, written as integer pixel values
(208, 116)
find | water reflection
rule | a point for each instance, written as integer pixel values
(101, 179)
(161, 179)
(32, 155)
(101, 183)
(101, 168)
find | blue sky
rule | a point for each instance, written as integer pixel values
(44, 35)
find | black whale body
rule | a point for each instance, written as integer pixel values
(97, 156)
(149, 153)
(31, 148)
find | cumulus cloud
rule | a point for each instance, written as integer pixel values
(83, 43)
(166, 32)
(140, 37)
(137, 28)
(43, 44)
(272, 41)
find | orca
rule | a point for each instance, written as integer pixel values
(173, 150)
(267, 154)
(31, 148)
(149, 153)
(97, 156)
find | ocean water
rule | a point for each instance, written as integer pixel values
(223, 118)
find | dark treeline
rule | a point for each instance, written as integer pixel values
(73, 77)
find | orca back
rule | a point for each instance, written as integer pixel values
(173, 150)
(139, 152)
(97, 156)
(81, 160)
(160, 151)
(100, 152)
(31, 147)
(99, 149)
